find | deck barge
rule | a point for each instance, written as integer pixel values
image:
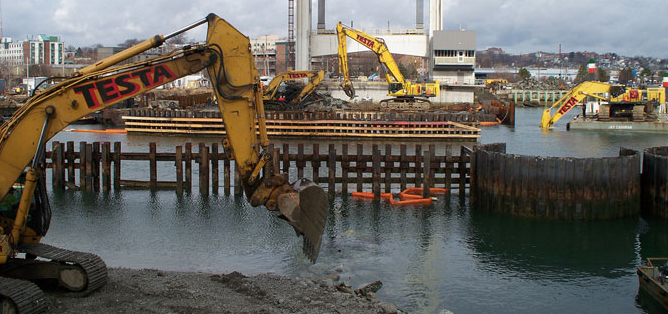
(357, 125)
(654, 125)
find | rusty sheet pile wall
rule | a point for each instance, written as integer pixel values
(654, 181)
(556, 187)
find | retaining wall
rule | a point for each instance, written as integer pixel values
(556, 187)
(654, 181)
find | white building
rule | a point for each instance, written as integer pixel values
(41, 50)
(264, 50)
(454, 56)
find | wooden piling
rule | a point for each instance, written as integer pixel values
(58, 177)
(345, 164)
(226, 173)
(117, 165)
(375, 186)
(189, 167)
(82, 165)
(71, 162)
(427, 174)
(315, 163)
(389, 165)
(89, 167)
(360, 165)
(331, 164)
(178, 162)
(152, 166)
(106, 166)
(403, 167)
(203, 166)
(95, 155)
(215, 157)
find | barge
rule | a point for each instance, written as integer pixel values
(655, 125)
(347, 126)
(653, 279)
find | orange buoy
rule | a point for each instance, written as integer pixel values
(410, 196)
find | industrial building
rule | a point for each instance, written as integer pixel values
(444, 55)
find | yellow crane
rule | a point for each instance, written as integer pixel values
(401, 90)
(618, 102)
(227, 57)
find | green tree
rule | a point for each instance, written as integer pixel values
(524, 73)
(602, 75)
(583, 74)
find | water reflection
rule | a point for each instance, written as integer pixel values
(553, 250)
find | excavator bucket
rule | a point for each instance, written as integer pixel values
(306, 211)
(545, 120)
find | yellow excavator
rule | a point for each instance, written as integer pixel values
(405, 94)
(25, 214)
(616, 102)
(271, 94)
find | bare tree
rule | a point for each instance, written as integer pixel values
(181, 39)
(130, 42)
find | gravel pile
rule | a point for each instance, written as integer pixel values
(155, 291)
(550, 83)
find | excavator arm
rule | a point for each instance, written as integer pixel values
(377, 45)
(315, 78)
(571, 99)
(398, 86)
(237, 89)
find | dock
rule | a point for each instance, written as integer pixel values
(641, 126)
(432, 126)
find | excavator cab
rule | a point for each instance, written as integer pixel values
(395, 87)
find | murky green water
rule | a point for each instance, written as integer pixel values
(443, 256)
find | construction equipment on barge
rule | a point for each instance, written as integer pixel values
(616, 103)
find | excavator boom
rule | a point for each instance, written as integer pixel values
(270, 92)
(237, 89)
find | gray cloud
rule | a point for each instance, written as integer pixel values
(627, 27)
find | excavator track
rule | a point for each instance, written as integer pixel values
(93, 265)
(24, 295)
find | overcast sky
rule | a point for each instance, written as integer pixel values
(629, 27)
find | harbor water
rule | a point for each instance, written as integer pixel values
(446, 256)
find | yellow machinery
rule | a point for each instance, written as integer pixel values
(270, 92)
(616, 102)
(402, 91)
(237, 89)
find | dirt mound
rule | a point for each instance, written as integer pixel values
(154, 291)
